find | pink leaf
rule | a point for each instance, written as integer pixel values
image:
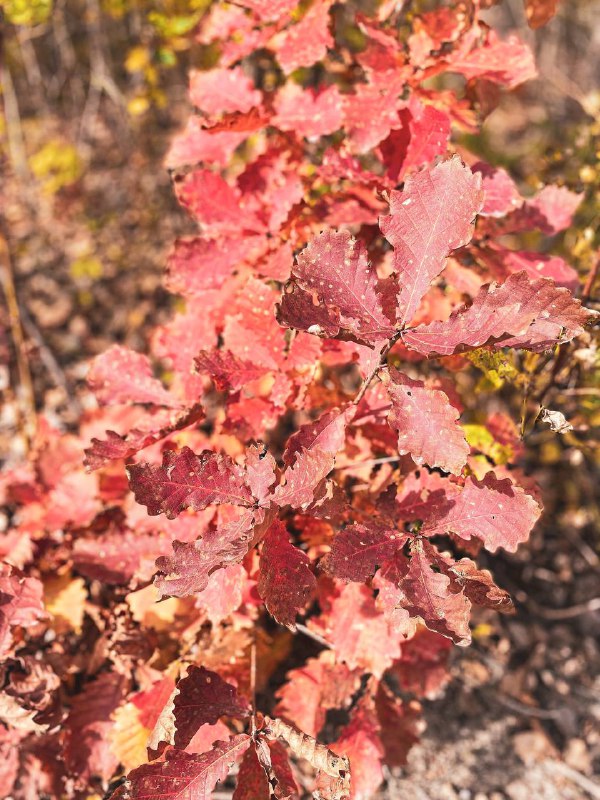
(286, 582)
(222, 91)
(494, 510)
(186, 480)
(426, 423)
(308, 113)
(121, 375)
(197, 264)
(306, 42)
(227, 372)
(301, 479)
(501, 193)
(432, 216)
(327, 433)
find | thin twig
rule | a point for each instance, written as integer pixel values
(589, 786)
(253, 685)
(14, 131)
(565, 613)
(26, 384)
(312, 635)
(591, 280)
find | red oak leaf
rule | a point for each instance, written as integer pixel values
(197, 264)
(202, 698)
(357, 551)
(223, 594)
(334, 266)
(432, 215)
(286, 582)
(21, 603)
(423, 136)
(267, 10)
(195, 144)
(260, 472)
(390, 597)
(252, 781)
(358, 633)
(508, 62)
(500, 191)
(184, 776)
(87, 752)
(551, 210)
(186, 480)
(502, 262)
(327, 433)
(306, 42)
(215, 204)
(121, 375)
(302, 479)
(222, 91)
(307, 112)
(360, 742)
(426, 423)
(159, 425)
(370, 112)
(422, 669)
(227, 372)
(312, 690)
(533, 314)
(494, 510)
(398, 725)
(187, 571)
(275, 762)
(429, 595)
(478, 585)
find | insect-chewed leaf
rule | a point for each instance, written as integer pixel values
(335, 267)
(301, 479)
(184, 776)
(426, 422)
(275, 761)
(260, 472)
(286, 582)
(327, 433)
(429, 218)
(186, 480)
(357, 551)
(315, 688)
(121, 375)
(532, 314)
(187, 571)
(429, 595)
(479, 586)
(203, 697)
(228, 372)
(318, 755)
(494, 510)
